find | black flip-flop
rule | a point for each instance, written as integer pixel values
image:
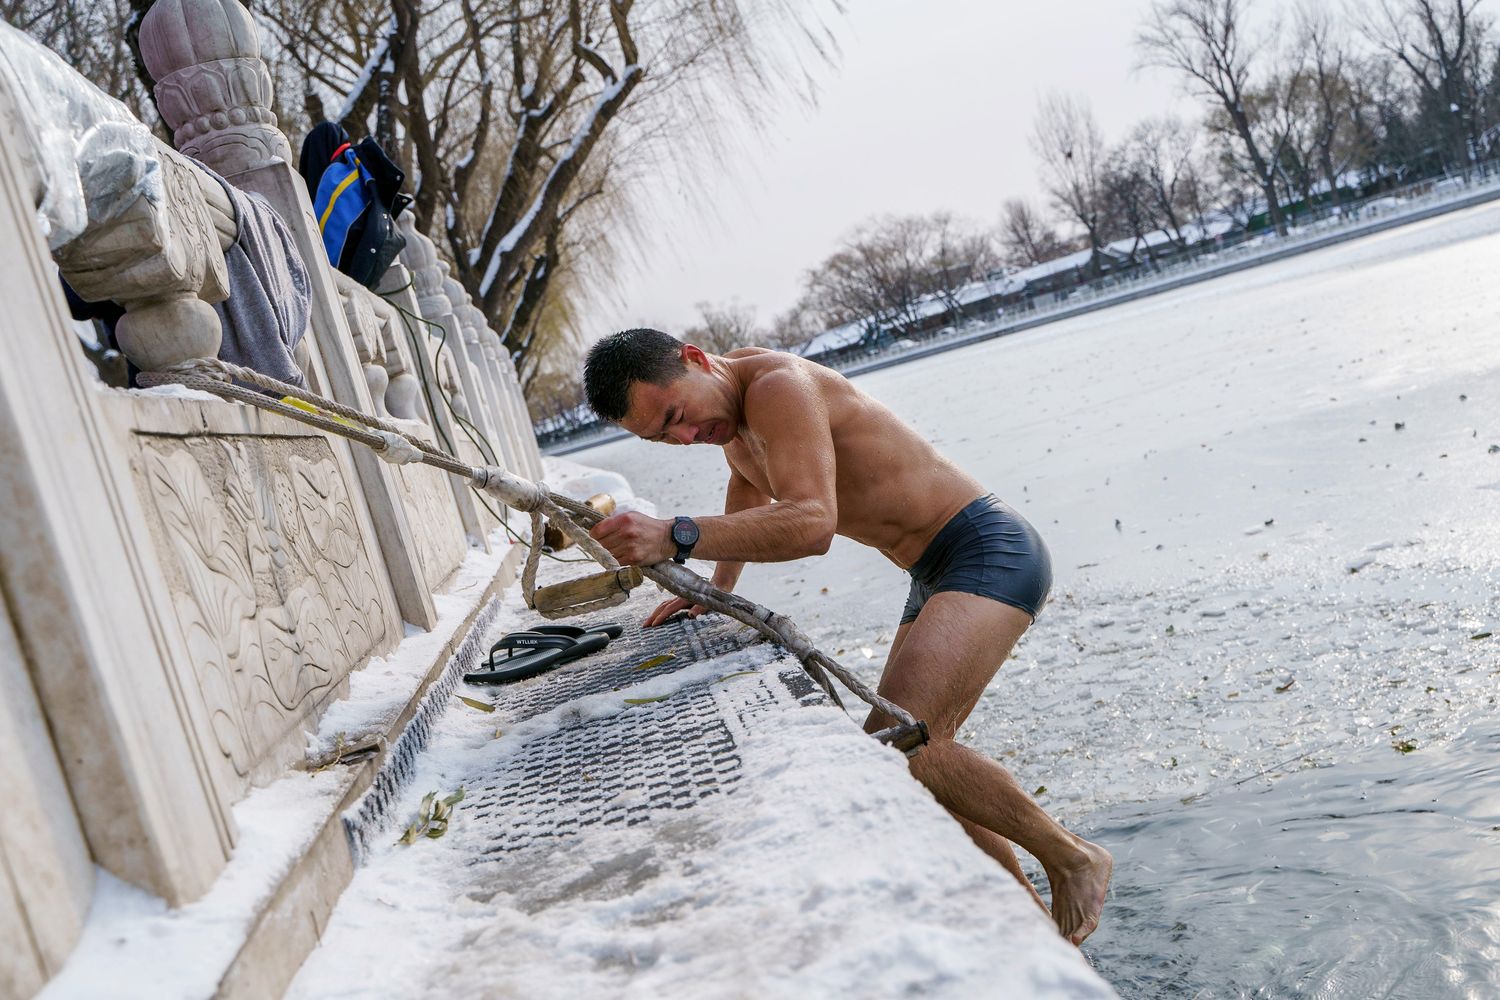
(579, 631)
(542, 651)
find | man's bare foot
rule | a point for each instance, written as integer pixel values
(1078, 891)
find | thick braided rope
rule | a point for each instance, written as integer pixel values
(573, 518)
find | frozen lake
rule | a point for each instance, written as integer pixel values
(1273, 503)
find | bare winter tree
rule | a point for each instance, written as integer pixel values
(1236, 195)
(1205, 41)
(1066, 137)
(1026, 238)
(556, 395)
(792, 329)
(878, 276)
(963, 255)
(1130, 200)
(1340, 132)
(1169, 155)
(521, 123)
(1283, 115)
(1440, 43)
(722, 328)
(889, 273)
(333, 48)
(96, 37)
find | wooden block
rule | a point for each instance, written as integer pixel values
(561, 596)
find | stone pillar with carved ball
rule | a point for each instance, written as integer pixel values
(214, 92)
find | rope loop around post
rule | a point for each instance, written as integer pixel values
(202, 368)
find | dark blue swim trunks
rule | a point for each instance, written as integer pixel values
(986, 549)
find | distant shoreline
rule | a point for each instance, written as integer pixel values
(1107, 300)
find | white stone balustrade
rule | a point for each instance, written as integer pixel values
(128, 219)
(369, 346)
(446, 305)
(189, 583)
(216, 94)
(437, 383)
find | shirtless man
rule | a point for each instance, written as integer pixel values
(810, 456)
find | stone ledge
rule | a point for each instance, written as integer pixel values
(268, 908)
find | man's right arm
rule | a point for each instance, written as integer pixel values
(741, 494)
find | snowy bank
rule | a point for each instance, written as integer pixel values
(640, 826)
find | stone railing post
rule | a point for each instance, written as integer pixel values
(526, 440)
(162, 260)
(404, 391)
(214, 92)
(440, 331)
(427, 274)
(398, 288)
(517, 426)
(482, 389)
(482, 345)
(364, 328)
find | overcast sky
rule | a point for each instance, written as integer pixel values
(928, 107)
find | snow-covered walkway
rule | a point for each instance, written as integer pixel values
(704, 825)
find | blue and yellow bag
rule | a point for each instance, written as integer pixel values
(356, 195)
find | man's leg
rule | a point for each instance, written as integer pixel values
(946, 658)
(999, 848)
(987, 841)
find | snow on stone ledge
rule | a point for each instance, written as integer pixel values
(582, 481)
(135, 946)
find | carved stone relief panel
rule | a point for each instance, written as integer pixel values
(274, 588)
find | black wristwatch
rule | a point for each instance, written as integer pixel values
(685, 536)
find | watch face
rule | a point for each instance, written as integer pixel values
(684, 532)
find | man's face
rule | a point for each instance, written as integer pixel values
(688, 410)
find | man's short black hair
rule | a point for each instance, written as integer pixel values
(629, 356)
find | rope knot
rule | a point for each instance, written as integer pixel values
(397, 450)
(210, 368)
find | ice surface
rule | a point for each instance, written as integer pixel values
(581, 482)
(1266, 398)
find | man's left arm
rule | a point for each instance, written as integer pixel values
(787, 412)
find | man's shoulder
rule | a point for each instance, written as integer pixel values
(778, 388)
(775, 374)
(756, 363)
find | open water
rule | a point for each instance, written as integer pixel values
(1378, 876)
